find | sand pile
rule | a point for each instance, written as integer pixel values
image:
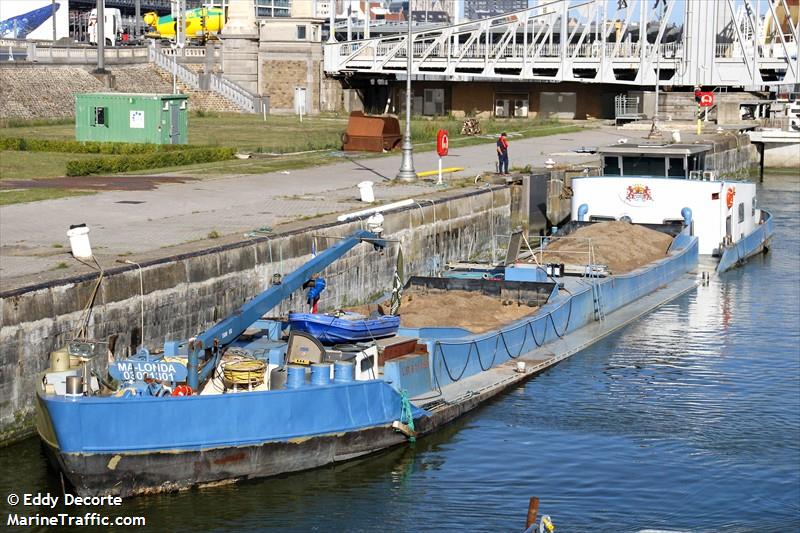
(619, 245)
(469, 310)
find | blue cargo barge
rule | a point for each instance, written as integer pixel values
(245, 400)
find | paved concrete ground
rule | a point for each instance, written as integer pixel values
(146, 224)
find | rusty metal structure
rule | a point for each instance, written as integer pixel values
(371, 134)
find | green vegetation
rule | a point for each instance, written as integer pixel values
(24, 123)
(281, 134)
(775, 170)
(127, 163)
(22, 144)
(20, 196)
(34, 165)
(46, 148)
(213, 234)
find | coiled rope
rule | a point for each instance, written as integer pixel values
(247, 373)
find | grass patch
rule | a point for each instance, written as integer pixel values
(281, 135)
(777, 170)
(294, 162)
(21, 196)
(35, 122)
(34, 165)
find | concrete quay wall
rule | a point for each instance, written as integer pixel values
(185, 294)
(733, 155)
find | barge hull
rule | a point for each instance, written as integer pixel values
(131, 474)
(753, 244)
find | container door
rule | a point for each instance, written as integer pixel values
(175, 126)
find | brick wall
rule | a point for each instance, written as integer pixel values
(49, 91)
(280, 79)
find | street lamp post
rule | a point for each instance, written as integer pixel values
(101, 36)
(407, 172)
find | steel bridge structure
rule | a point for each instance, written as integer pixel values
(689, 43)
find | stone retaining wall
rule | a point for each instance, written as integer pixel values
(733, 156)
(188, 293)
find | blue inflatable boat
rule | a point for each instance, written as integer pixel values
(344, 328)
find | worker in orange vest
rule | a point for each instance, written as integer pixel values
(502, 154)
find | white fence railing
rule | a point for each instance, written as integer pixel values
(190, 78)
(243, 99)
(246, 101)
(45, 52)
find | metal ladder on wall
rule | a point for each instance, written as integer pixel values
(597, 289)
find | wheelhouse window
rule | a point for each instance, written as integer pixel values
(611, 165)
(676, 168)
(643, 166)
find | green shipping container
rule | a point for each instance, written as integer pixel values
(132, 118)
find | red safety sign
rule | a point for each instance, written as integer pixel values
(704, 98)
(442, 144)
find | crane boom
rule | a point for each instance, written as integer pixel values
(230, 328)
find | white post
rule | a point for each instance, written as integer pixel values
(349, 24)
(174, 47)
(332, 31)
(366, 20)
(440, 171)
(658, 78)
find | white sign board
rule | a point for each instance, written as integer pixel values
(137, 119)
(130, 370)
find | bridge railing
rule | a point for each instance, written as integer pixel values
(625, 50)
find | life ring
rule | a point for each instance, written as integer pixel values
(729, 197)
(182, 390)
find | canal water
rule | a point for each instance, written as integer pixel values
(687, 420)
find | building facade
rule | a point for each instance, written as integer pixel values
(481, 9)
(273, 8)
(500, 99)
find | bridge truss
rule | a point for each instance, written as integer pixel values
(720, 43)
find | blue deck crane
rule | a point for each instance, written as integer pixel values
(229, 329)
